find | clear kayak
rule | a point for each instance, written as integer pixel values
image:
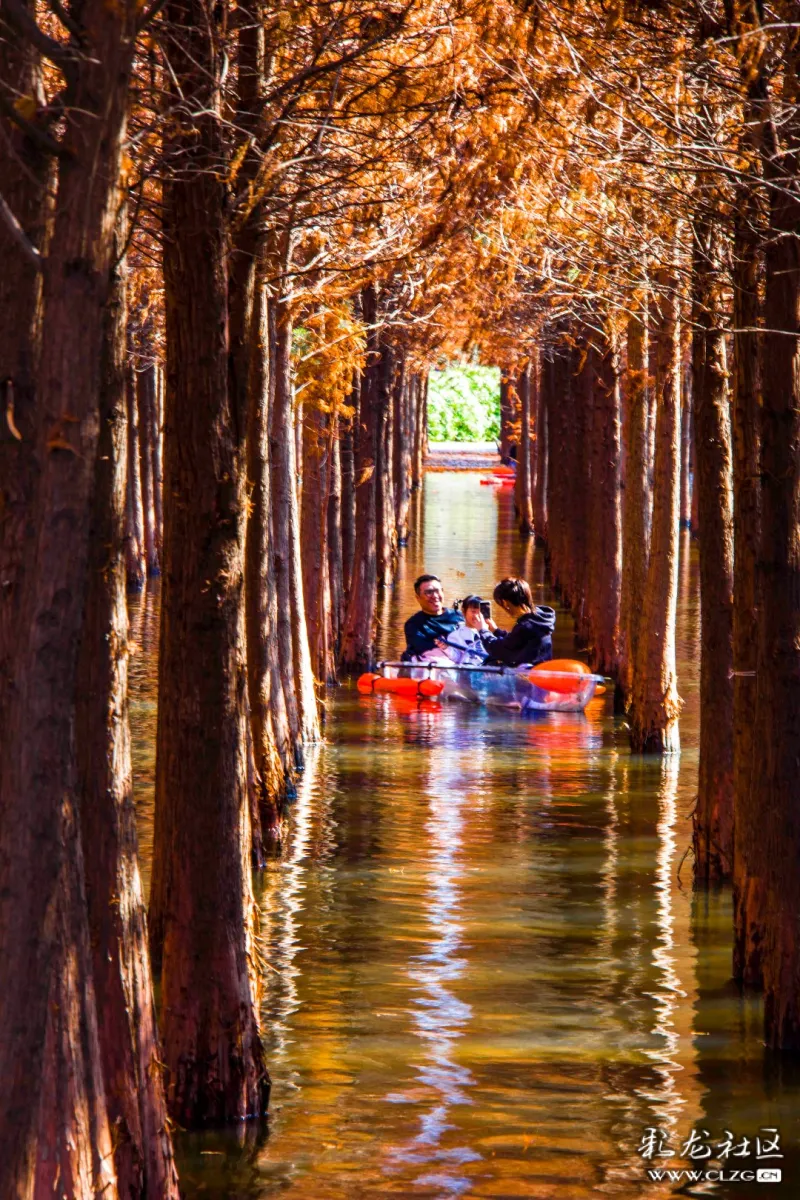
(562, 685)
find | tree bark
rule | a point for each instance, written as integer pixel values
(384, 469)
(201, 902)
(405, 412)
(347, 425)
(712, 822)
(542, 450)
(506, 412)
(314, 527)
(118, 933)
(334, 516)
(655, 703)
(54, 1122)
(636, 496)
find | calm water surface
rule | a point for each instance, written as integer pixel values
(487, 971)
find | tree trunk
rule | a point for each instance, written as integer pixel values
(688, 473)
(748, 871)
(636, 496)
(158, 458)
(335, 572)
(347, 425)
(134, 526)
(359, 629)
(712, 822)
(542, 450)
(201, 902)
(272, 749)
(420, 415)
(506, 412)
(524, 497)
(384, 470)
(297, 673)
(655, 703)
(118, 933)
(777, 730)
(314, 529)
(606, 502)
(24, 171)
(405, 412)
(148, 438)
(54, 1125)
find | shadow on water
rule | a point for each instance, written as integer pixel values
(483, 975)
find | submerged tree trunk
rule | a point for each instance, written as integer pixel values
(712, 822)
(606, 503)
(334, 519)
(201, 902)
(118, 933)
(314, 528)
(55, 1131)
(636, 496)
(655, 703)
(384, 469)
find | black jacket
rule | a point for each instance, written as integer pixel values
(530, 641)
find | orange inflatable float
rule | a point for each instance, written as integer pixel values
(563, 675)
(413, 688)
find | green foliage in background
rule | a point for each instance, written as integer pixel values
(464, 404)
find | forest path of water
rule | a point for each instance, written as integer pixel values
(485, 977)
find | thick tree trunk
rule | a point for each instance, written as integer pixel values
(712, 822)
(506, 412)
(118, 933)
(524, 496)
(55, 1130)
(688, 474)
(201, 902)
(748, 874)
(135, 556)
(358, 638)
(405, 411)
(420, 422)
(777, 730)
(158, 459)
(636, 496)
(272, 748)
(655, 703)
(148, 438)
(581, 516)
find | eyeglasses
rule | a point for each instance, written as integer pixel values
(432, 592)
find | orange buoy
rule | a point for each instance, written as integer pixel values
(563, 675)
(399, 687)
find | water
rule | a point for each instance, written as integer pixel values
(487, 975)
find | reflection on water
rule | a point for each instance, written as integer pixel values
(482, 975)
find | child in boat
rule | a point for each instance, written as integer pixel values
(465, 646)
(531, 639)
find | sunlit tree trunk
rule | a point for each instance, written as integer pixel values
(655, 703)
(636, 495)
(420, 430)
(148, 439)
(314, 533)
(201, 901)
(712, 821)
(55, 1131)
(384, 469)
(334, 520)
(506, 412)
(347, 454)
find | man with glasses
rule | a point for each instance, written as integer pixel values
(434, 622)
